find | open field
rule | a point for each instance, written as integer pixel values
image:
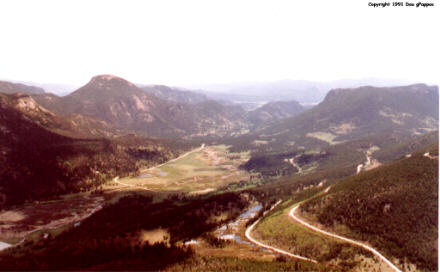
(201, 171)
(324, 136)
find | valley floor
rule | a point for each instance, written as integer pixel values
(40, 220)
(200, 171)
(279, 240)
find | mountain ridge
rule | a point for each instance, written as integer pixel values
(120, 102)
(9, 88)
(347, 114)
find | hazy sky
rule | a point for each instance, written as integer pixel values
(198, 42)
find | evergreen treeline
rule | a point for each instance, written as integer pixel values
(109, 239)
(394, 207)
(48, 169)
(38, 164)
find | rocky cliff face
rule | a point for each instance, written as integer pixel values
(119, 102)
(73, 125)
(40, 158)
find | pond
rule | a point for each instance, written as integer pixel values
(162, 174)
(242, 218)
(251, 212)
(236, 238)
(145, 175)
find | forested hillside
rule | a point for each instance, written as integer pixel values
(74, 125)
(274, 111)
(351, 114)
(393, 207)
(39, 164)
(111, 239)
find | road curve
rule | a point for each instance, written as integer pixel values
(375, 252)
(248, 236)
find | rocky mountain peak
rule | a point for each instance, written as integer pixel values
(107, 80)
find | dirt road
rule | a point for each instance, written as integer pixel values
(295, 165)
(372, 250)
(248, 235)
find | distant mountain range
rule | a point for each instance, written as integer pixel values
(122, 104)
(160, 111)
(10, 88)
(248, 94)
(58, 89)
(303, 91)
(174, 94)
(110, 107)
(348, 114)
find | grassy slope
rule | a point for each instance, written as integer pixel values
(238, 264)
(393, 207)
(277, 230)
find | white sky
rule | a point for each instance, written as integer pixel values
(201, 42)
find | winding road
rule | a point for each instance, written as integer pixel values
(248, 235)
(294, 164)
(311, 227)
(348, 240)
